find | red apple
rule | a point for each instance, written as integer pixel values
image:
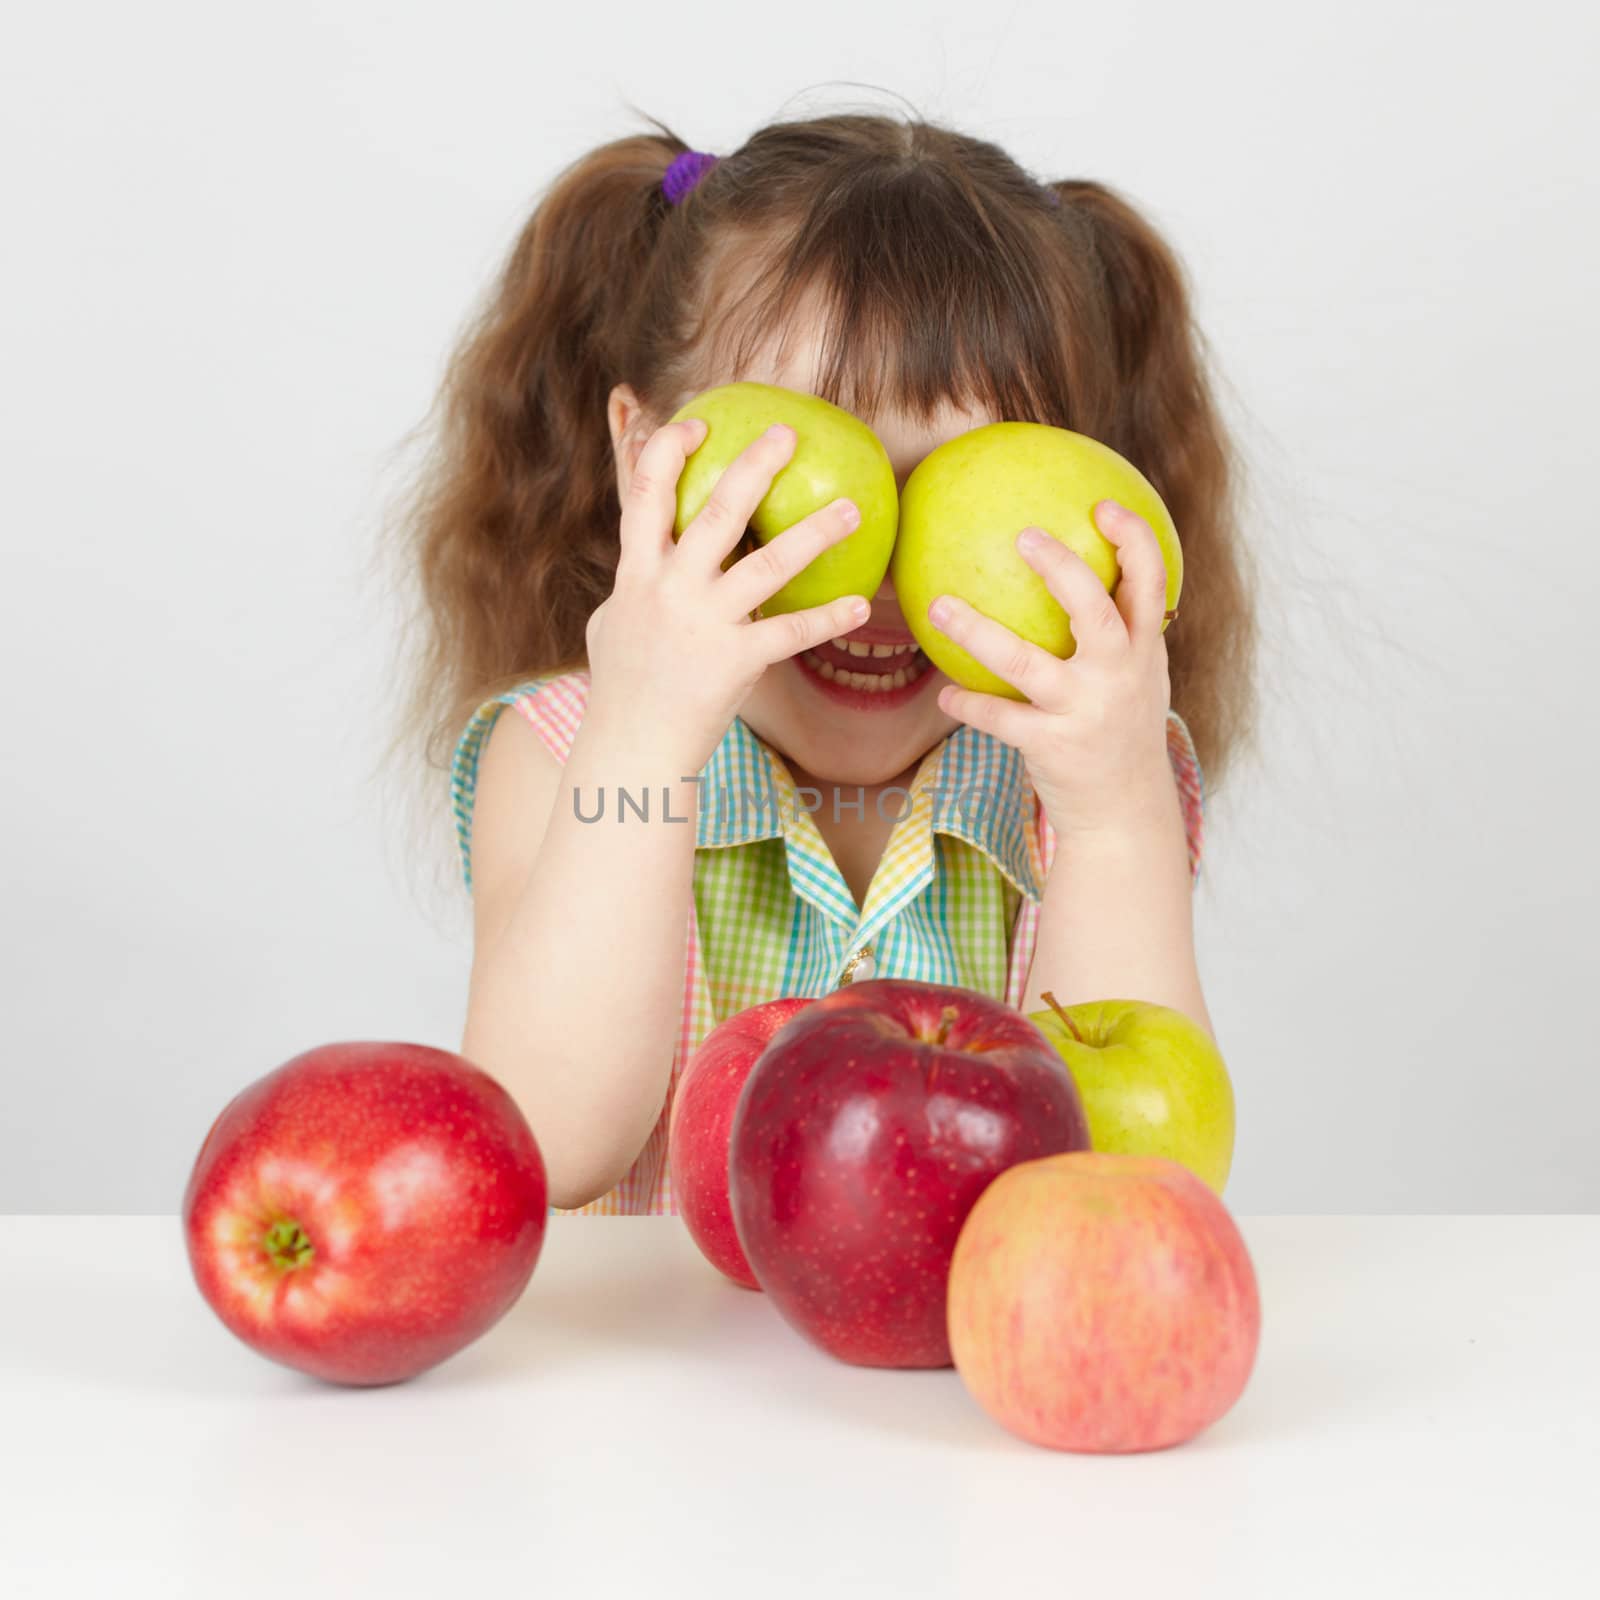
(366, 1210)
(701, 1120)
(1103, 1302)
(865, 1131)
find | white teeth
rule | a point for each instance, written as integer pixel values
(869, 683)
(857, 648)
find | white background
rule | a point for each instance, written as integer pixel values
(239, 245)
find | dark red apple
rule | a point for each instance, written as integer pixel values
(699, 1125)
(865, 1132)
(366, 1210)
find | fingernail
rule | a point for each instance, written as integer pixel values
(1030, 538)
(847, 512)
(860, 608)
(939, 611)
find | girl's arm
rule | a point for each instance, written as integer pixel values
(580, 944)
(1117, 918)
(576, 991)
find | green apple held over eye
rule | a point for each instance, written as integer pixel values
(1152, 1081)
(834, 454)
(960, 513)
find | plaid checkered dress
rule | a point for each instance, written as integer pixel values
(954, 899)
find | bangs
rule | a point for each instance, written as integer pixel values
(918, 296)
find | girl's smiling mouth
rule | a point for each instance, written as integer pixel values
(865, 673)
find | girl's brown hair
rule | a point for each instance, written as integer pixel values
(944, 271)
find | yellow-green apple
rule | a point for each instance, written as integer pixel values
(864, 1132)
(1152, 1080)
(701, 1120)
(365, 1210)
(962, 508)
(1102, 1302)
(835, 453)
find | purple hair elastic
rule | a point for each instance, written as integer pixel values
(686, 170)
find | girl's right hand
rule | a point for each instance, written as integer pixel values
(673, 651)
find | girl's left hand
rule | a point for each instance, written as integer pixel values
(1094, 737)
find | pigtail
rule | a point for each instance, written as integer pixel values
(507, 533)
(534, 513)
(1164, 419)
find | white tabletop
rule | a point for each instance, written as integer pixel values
(1422, 1420)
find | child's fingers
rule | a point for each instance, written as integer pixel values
(1044, 678)
(1013, 722)
(1141, 594)
(650, 506)
(790, 632)
(1099, 629)
(743, 484)
(754, 578)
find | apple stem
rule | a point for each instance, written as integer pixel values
(1050, 1000)
(287, 1245)
(946, 1018)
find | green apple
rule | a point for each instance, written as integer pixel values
(961, 511)
(835, 453)
(1152, 1081)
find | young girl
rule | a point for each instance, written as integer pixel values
(824, 805)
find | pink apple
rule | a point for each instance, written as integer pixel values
(366, 1210)
(865, 1131)
(1103, 1302)
(701, 1121)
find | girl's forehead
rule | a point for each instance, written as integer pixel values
(900, 429)
(794, 357)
